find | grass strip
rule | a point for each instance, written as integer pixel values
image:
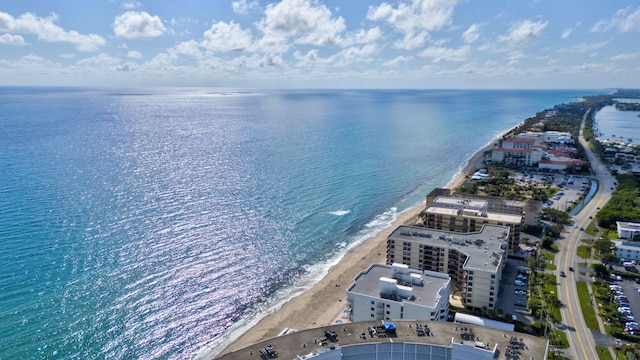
(603, 353)
(587, 308)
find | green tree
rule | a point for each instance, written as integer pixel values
(601, 270)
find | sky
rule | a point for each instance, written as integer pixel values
(463, 44)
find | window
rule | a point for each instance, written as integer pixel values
(388, 306)
(372, 302)
(372, 315)
(493, 276)
(471, 272)
(388, 313)
(491, 293)
(372, 309)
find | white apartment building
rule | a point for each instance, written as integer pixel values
(395, 292)
(627, 230)
(627, 250)
(468, 214)
(519, 151)
(474, 260)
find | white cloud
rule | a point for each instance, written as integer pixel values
(414, 19)
(132, 25)
(364, 36)
(624, 20)
(190, 48)
(131, 4)
(523, 31)
(342, 58)
(398, 60)
(46, 30)
(446, 54)
(225, 37)
(354, 54)
(34, 58)
(306, 21)
(624, 56)
(134, 54)
(307, 60)
(8, 39)
(127, 67)
(583, 47)
(472, 34)
(567, 32)
(270, 59)
(244, 6)
(514, 57)
(100, 61)
(412, 41)
(67, 56)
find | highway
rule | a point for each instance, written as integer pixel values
(581, 341)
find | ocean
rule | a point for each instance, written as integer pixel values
(155, 223)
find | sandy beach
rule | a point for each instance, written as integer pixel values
(326, 300)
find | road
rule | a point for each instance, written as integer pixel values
(579, 336)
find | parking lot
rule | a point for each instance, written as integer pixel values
(630, 290)
(572, 187)
(512, 296)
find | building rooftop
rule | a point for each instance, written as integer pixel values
(306, 343)
(425, 287)
(457, 202)
(485, 248)
(627, 245)
(472, 212)
(628, 225)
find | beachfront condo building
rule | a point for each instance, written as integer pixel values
(469, 213)
(395, 292)
(473, 260)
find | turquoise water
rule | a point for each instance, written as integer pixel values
(151, 223)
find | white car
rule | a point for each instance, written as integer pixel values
(519, 283)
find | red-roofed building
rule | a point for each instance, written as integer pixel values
(534, 149)
(559, 163)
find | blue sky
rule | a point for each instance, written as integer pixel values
(322, 43)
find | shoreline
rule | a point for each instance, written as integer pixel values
(324, 301)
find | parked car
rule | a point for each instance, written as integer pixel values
(519, 283)
(520, 303)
